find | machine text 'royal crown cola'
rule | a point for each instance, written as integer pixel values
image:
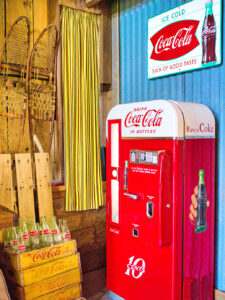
(209, 35)
(201, 223)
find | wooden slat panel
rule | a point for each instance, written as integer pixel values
(46, 286)
(24, 185)
(6, 217)
(42, 272)
(6, 186)
(115, 53)
(40, 8)
(71, 292)
(2, 23)
(106, 43)
(44, 189)
(37, 257)
(15, 9)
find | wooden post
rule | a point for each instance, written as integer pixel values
(115, 53)
(106, 44)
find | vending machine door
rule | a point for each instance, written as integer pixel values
(113, 205)
(147, 219)
(114, 173)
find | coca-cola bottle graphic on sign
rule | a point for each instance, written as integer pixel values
(209, 35)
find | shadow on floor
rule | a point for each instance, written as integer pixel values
(94, 285)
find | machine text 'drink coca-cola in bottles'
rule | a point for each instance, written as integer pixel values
(160, 201)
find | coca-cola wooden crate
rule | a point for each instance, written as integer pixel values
(47, 286)
(68, 293)
(37, 257)
(42, 272)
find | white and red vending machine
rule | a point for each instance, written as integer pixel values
(160, 201)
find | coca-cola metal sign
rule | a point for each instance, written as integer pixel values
(175, 40)
(185, 38)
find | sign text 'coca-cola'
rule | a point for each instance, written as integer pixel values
(150, 118)
(175, 40)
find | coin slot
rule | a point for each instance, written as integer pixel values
(135, 232)
(150, 209)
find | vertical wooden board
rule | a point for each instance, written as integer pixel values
(56, 154)
(106, 43)
(54, 13)
(24, 185)
(15, 9)
(25, 144)
(6, 186)
(40, 8)
(115, 53)
(44, 188)
(2, 23)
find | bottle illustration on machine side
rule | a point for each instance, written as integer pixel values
(209, 35)
(201, 222)
(125, 176)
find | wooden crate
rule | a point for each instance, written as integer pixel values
(68, 293)
(37, 257)
(44, 271)
(46, 286)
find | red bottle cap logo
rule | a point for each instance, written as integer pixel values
(22, 248)
(26, 236)
(47, 232)
(54, 231)
(67, 236)
(33, 233)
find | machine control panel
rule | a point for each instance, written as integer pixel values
(144, 157)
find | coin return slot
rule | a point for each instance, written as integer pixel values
(135, 232)
(150, 209)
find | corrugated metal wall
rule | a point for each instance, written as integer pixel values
(204, 86)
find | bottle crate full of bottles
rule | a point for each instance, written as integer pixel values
(41, 261)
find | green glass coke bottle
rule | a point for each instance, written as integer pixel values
(201, 222)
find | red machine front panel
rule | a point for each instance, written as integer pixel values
(140, 254)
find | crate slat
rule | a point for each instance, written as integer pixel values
(42, 272)
(46, 286)
(37, 257)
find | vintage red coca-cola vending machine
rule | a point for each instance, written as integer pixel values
(160, 201)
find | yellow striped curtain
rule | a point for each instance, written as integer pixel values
(80, 82)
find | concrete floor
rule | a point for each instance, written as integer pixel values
(94, 285)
